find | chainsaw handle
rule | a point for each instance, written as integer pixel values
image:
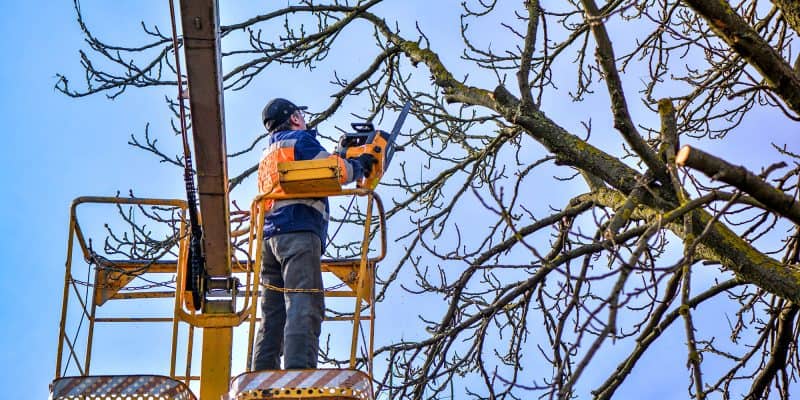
(362, 127)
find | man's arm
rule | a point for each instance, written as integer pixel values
(309, 148)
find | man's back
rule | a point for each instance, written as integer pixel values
(295, 215)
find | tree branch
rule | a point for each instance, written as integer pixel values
(791, 12)
(743, 39)
(619, 105)
(742, 179)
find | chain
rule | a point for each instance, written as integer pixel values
(298, 290)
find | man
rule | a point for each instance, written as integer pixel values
(295, 233)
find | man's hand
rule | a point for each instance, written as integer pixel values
(367, 161)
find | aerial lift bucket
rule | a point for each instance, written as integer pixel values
(357, 276)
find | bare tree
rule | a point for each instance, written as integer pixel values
(555, 248)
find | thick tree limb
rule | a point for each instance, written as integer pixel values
(568, 148)
(669, 131)
(669, 144)
(719, 244)
(743, 39)
(744, 180)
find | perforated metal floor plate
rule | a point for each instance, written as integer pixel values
(331, 384)
(135, 387)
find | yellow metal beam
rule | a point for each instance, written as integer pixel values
(215, 365)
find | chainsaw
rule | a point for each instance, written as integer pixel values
(380, 144)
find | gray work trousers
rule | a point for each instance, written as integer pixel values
(290, 321)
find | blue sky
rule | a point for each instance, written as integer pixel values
(57, 148)
(37, 180)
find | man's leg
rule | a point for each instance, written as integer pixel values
(299, 255)
(269, 343)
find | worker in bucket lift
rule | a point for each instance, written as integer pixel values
(295, 233)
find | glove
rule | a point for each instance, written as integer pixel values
(367, 161)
